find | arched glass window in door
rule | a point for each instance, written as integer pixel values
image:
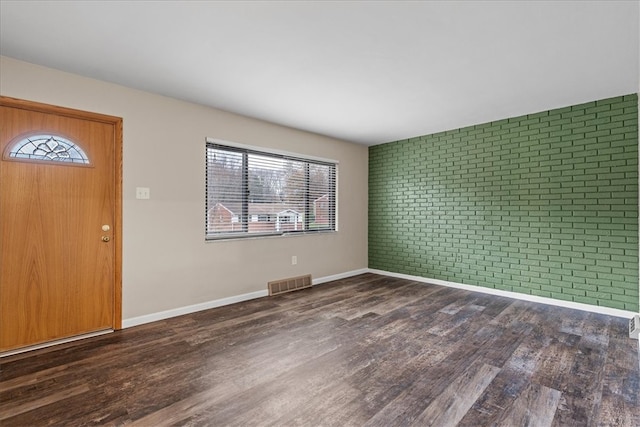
(53, 148)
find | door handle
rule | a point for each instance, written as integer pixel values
(106, 238)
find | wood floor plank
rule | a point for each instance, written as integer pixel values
(33, 378)
(184, 409)
(535, 407)
(620, 402)
(497, 398)
(365, 350)
(8, 409)
(580, 401)
(451, 406)
(555, 362)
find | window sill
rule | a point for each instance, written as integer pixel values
(227, 238)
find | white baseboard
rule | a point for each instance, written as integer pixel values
(514, 295)
(154, 317)
(174, 312)
(339, 276)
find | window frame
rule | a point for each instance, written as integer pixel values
(245, 151)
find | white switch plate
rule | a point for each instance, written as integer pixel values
(143, 193)
(294, 260)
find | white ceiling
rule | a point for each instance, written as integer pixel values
(368, 72)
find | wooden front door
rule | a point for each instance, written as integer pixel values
(60, 223)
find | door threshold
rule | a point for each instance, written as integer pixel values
(55, 342)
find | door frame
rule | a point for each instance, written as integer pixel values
(116, 122)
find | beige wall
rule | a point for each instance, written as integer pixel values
(166, 262)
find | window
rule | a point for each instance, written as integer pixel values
(251, 192)
(49, 148)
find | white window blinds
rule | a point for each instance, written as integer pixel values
(251, 192)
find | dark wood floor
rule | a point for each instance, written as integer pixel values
(368, 350)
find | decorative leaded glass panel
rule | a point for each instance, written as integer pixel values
(52, 148)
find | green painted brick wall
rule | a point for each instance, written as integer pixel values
(544, 204)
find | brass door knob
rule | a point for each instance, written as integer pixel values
(106, 238)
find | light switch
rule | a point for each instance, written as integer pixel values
(143, 193)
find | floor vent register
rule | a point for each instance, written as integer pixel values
(282, 286)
